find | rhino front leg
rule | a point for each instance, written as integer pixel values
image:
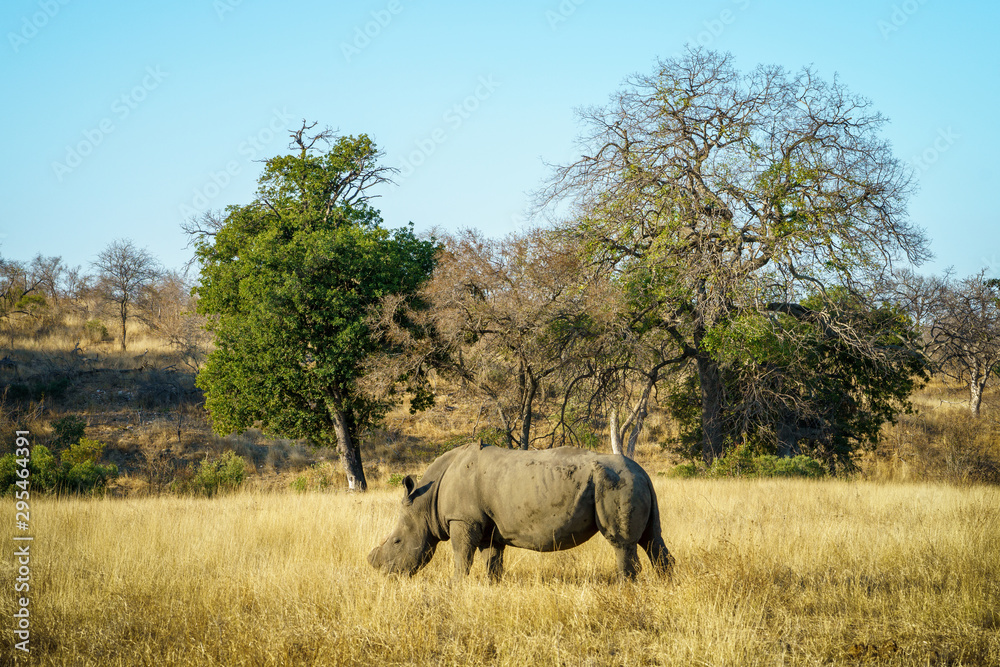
(465, 537)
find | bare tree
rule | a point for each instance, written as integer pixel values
(507, 309)
(721, 196)
(616, 363)
(965, 334)
(125, 273)
(498, 316)
(170, 309)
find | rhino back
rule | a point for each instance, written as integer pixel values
(542, 500)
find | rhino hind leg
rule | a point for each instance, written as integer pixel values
(494, 560)
(628, 560)
(493, 545)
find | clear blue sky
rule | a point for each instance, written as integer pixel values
(123, 117)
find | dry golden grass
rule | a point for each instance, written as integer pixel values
(769, 573)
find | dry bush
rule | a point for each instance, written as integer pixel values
(942, 441)
(769, 572)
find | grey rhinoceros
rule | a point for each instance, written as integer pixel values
(489, 498)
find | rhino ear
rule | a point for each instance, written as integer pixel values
(409, 484)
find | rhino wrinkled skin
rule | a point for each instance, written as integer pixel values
(489, 498)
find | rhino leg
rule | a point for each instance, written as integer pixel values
(628, 560)
(465, 538)
(494, 560)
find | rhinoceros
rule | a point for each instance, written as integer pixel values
(490, 498)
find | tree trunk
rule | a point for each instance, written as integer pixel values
(530, 388)
(787, 440)
(640, 416)
(711, 407)
(616, 438)
(124, 316)
(508, 428)
(350, 454)
(976, 385)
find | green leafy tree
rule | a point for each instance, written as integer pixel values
(795, 386)
(289, 282)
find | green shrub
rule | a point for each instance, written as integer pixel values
(686, 470)
(86, 476)
(45, 470)
(77, 473)
(83, 451)
(742, 462)
(37, 390)
(225, 473)
(8, 474)
(798, 466)
(737, 462)
(68, 431)
(395, 479)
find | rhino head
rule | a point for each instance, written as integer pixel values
(410, 545)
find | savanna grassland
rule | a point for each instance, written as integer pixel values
(896, 564)
(768, 573)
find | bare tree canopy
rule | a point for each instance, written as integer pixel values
(965, 334)
(503, 315)
(716, 195)
(125, 272)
